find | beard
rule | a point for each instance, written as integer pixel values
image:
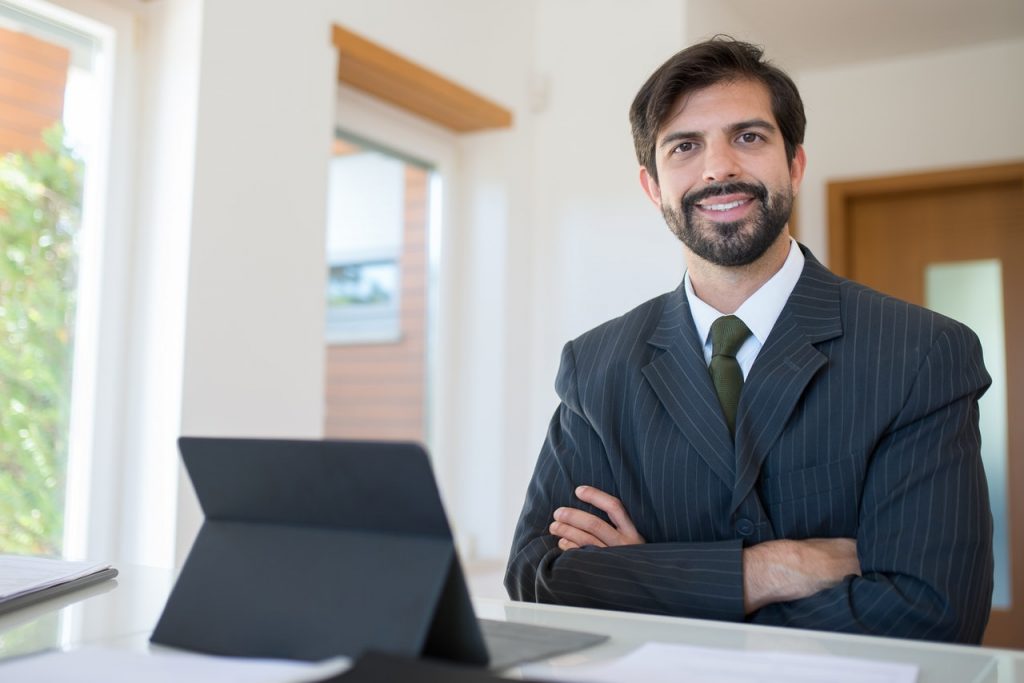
(731, 244)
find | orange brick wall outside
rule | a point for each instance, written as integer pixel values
(32, 77)
(377, 391)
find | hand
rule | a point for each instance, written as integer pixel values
(576, 528)
(784, 570)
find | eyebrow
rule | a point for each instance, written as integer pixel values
(676, 136)
(752, 123)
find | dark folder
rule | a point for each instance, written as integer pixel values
(314, 549)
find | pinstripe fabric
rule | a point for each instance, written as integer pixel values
(858, 419)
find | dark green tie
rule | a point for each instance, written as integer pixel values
(727, 336)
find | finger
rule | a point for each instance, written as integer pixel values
(612, 507)
(574, 535)
(589, 523)
(566, 544)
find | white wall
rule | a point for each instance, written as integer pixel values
(932, 111)
(254, 336)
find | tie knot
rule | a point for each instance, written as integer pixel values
(727, 336)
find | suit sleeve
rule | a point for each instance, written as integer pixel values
(682, 579)
(925, 528)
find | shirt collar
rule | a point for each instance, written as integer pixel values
(761, 309)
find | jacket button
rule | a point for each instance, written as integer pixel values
(744, 527)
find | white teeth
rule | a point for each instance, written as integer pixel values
(724, 207)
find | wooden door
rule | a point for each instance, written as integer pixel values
(887, 233)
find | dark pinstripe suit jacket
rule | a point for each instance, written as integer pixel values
(859, 418)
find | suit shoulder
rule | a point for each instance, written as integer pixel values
(864, 307)
(911, 336)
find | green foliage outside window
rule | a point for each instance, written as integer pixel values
(40, 202)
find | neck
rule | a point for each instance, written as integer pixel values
(727, 287)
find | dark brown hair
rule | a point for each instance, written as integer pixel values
(720, 59)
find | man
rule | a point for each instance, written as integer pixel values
(769, 441)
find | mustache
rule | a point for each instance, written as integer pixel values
(758, 191)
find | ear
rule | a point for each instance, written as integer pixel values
(797, 168)
(651, 187)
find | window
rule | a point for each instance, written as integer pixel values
(377, 297)
(362, 297)
(52, 97)
(366, 219)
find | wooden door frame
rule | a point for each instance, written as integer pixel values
(840, 193)
(840, 197)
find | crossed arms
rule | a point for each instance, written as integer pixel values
(774, 571)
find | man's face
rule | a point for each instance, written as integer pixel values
(724, 185)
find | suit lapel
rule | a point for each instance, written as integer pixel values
(679, 377)
(783, 369)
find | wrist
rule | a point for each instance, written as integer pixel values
(785, 570)
(776, 571)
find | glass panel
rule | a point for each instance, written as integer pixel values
(972, 292)
(365, 216)
(50, 87)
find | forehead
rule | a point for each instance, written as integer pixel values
(718, 106)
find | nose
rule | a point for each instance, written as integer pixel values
(720, 163)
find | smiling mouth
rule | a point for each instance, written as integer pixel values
(726, 202)
(727, 206)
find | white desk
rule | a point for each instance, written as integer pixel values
(122, 613)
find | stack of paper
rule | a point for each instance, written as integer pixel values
(24, 579)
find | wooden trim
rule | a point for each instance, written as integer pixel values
(841, 191)
(375, 70)
(838, 194)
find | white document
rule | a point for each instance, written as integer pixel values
(666, 663)
(126, 666)
(22, 574)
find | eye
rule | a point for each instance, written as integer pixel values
(749, 138)
(684, 147)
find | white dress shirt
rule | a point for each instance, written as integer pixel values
(759, 312)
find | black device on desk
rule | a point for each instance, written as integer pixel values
(314, 549)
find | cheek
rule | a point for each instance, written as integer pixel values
(674, 188)
(786, 174)
(776, 177)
